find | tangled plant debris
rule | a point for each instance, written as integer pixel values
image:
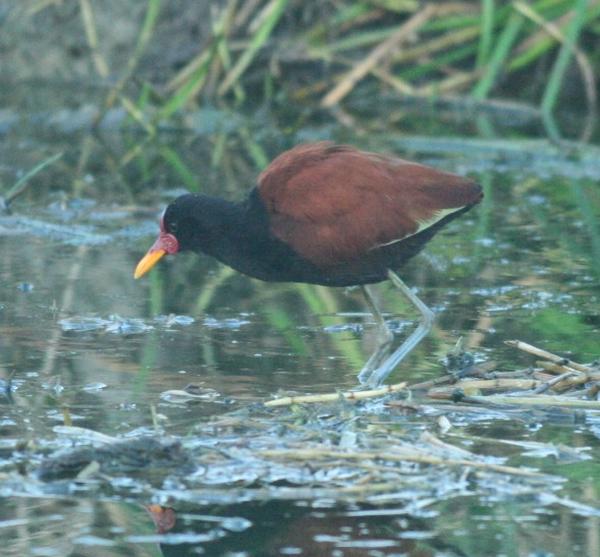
(348, 447)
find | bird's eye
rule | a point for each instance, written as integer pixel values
(172, 226)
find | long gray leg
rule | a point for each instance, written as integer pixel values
(380, 374)
(384, 338)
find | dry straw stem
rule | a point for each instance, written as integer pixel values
(395, 455)
(403, 87)
(87, 15)
(133, 111)
(572, 378)
(484, 385)
(570, 375)
(551, 367)
(555, 381)
(456, 82)
(530, 349)
(546, 401)
(433, 383)
(188, 83)
(443, 43)
(188, 71)
(146, 32)
(243, 13)
(333, 397)
(101, 66)
(133, 153)
(377, 55)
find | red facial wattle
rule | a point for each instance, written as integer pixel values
(165, 244)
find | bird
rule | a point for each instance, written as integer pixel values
(328, 214)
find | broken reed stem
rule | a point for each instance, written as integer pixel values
(333, 397)
(538, 400)
(433, 383)
(377, 55)
(578, 379)
(551, 367)
(530, 349)
(407, 456)
(485, 384)
(554, 381)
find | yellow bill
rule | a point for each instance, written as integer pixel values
(148, 261)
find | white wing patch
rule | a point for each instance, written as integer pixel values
(423, 224)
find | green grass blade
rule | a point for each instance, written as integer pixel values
(438, 62)
(539, 48)
(275, 11)
(322, 30)
(256, 152)
(545, 43)
(180, 168)
(324, 304)
(448, 23)
(148, 26)
(499, 56)
(487, 32)
(218, 149)
(280, 320)
(190, 87)
(21, 183)
(564, 56)
(156, 293)
(359, 39)
(144, 96)
(210, 287)
(144, 37)
(588, 210)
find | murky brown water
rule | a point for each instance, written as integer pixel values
(82, 344)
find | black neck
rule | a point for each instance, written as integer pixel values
(238, 234)
(213, 225)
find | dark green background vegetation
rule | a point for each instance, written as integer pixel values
(158, 58)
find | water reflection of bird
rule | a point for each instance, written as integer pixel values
(325, 214)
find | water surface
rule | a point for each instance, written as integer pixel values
(84, 345)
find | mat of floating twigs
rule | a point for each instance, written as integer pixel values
(552, 381)
(397, 445)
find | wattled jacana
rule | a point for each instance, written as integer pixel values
(325, 214)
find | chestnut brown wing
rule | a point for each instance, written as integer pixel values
(333, 203)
